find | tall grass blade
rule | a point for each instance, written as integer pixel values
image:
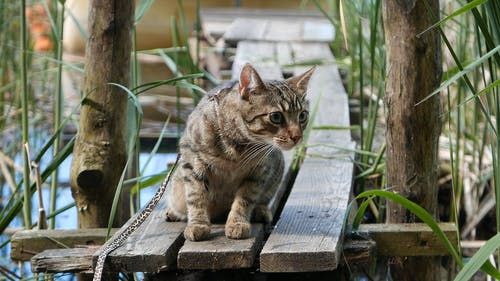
(144, 6)
(24, 115)
(466, 8)
(461, 73)
(58, 111)
(480, 260)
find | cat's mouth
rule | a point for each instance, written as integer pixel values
(286, 143)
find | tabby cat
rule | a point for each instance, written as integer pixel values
(231, 161)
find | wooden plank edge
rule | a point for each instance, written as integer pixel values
(73, 260)
(357, 251)
(409, 239)
(27, 243)
(233, 254)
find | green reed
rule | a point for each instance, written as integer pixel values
(24, 120)
(58, 108)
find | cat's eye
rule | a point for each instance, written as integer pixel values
(303, 116)
(276, 117)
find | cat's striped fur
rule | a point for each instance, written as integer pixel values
(231, 161)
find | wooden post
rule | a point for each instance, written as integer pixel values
(413, 71)
(100, 148)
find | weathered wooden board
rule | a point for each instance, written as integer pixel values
(273, 25)
(283, 30)
(221, 252)
(357, 251)
(74, 260)
(308, 235)
(313, 25)
(246, 29)
(27, 243)
(290, 30)
(318, 30)
(408, 240)
(261, 55)
(151, 248)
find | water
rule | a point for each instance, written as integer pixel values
(68, 219)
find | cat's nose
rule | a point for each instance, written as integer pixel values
(296, 139)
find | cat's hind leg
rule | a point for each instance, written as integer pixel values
(176, 201)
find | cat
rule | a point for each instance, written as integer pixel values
(230, 161)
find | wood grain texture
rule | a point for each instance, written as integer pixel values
(27, 243)
(318, 30)
(271, 25)
(261, 55)
(408, 239)
(219, 252)
(308, 235)
(283, 30)
(358, 251)
(246, 29)
(74, 260)
(151, 248)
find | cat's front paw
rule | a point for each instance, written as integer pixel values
(238, 230)
(197, 232)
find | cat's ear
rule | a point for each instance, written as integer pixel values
(300, 81)
(250, 81)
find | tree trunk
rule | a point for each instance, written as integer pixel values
(413, 72)
(100, 148)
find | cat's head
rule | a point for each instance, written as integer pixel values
(274, 112)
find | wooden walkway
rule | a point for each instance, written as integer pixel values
(310, 206)
(308, 232)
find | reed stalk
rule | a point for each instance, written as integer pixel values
(58, 111)
(24, 116)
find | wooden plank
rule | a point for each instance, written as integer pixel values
(408, 239)
(358, 251)
(221, 252)
(245, 29)
(268, 24)
(27, 243)
(283, 30)
(308, 235)
(151, 248)
(231, 14)
(284, 58)
(73, 260)
(261, 55)
(318, 30)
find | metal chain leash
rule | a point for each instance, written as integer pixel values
(118, 241)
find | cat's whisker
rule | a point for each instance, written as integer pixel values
(249, 155)
(258, 152)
